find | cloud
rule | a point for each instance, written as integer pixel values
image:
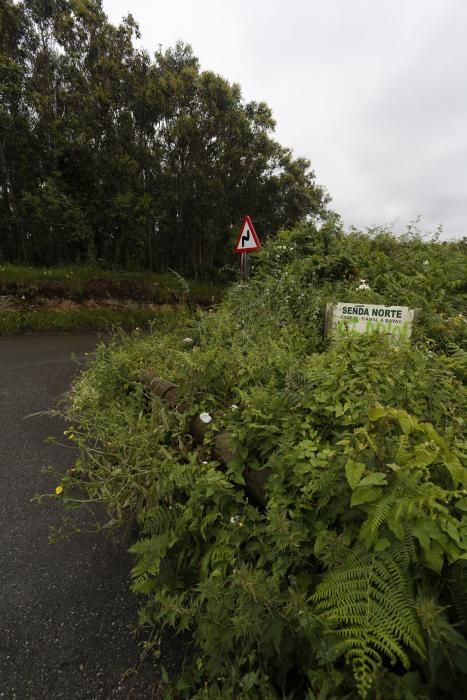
(373, 93)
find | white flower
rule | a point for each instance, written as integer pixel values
(426, 262)
(205, 417)
(204, 462)
(363, 285)
(234, 519)
(234, 407)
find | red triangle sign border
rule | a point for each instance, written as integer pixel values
(247, 223)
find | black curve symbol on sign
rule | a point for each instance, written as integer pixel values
(246, 238)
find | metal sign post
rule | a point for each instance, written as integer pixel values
(245, 265)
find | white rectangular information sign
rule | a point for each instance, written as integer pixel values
(367, 318)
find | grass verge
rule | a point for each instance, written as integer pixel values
(84, 319)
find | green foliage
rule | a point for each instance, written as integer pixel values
(368, 598)
(348, 579)
(109, 154)
(106, 320)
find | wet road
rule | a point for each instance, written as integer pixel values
(65, 609)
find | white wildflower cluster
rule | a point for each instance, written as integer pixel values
(283, 249)
(205, 417)
(85, 395)
(363, 285)
(426, 263)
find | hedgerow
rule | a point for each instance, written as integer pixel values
(349, 577)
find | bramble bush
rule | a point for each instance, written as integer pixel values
(351, 580)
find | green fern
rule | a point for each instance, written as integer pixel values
(151, 551)
(408, 498)
(159, 519)
(369, 602)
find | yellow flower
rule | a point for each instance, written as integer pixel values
(58, 489)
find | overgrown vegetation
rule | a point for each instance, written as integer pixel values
(351, 580)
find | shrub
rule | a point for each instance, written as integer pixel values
(349, 577)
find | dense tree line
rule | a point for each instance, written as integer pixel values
(109, 154)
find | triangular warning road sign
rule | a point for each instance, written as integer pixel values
(248, 240)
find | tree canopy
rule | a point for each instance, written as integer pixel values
(108, 153)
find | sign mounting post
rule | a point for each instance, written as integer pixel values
(247, 242)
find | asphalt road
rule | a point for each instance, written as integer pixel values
(66, 613)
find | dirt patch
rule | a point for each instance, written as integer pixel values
(96, 289)
(10, 302)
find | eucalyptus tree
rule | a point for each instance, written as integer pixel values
(109, 153)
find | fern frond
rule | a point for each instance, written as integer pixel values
(151, 551)
(369, 602)
(159, 519)
(378, 515)
(409, 497)
(328, 484)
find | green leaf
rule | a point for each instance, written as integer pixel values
(320, 542)
(455, 468)
(406, 422)
(452, 463)
(450, 528)
(353, 472)
(425, 455)
(374, 479)
(397, 528)
(434, 557)
(365, 494)
(424, 529)
(338, 410)
(377, 412)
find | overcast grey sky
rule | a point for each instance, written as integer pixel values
(373, 92)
